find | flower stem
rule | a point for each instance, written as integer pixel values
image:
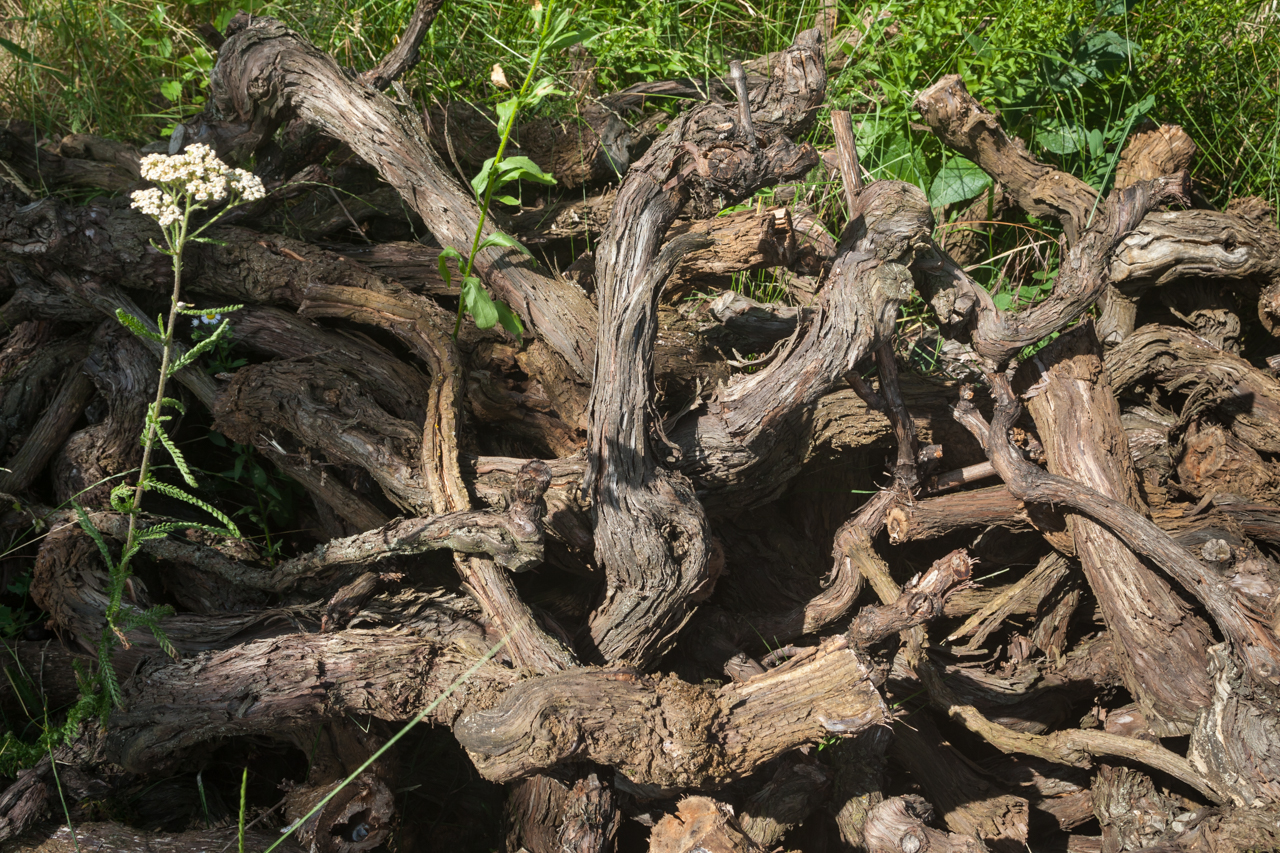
(505, 134)
(177, 242)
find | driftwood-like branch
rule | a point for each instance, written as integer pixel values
(404, 56)
(53, 169)
(1257, 645)
(267, 74)
(721, 734)
(512, 538)
(49, 433)
(107, 299)
(1153, 152)
(310, 404)
(651, 534)
(1169, 247)
(113, 244)
(1094, 228)
(940, 516)
(1247, 399)
(544, 813)
(701, 823)
(967, 127)
(785, 801)
(1079, 425)
(258, 687)
(418, 323)
(125, 376)
(673, 735)
(900, 825)
(1074, 747)
(969, 805)
(118, 838)
(700, 444)
(919, 602)
(747, 445)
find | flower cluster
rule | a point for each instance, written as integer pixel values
(195, 175)
(156, 204)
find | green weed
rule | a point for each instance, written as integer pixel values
(185, 185)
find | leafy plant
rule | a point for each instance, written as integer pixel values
(17, 754)
(275, 496)
(958, 180)
(184, 184)
(553, 34)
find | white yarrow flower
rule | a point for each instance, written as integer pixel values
(196, 175)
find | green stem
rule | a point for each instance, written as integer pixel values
(153, 416)
(497, 158)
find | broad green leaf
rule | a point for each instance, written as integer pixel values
(1095, 143)
(1063, 139)
(544, 88)
(522, 168)
(477, 302)
(172, 90)
(481, 181)
(903, 161)
(506, 115)
(510, 320)
(958, 180)
(981, 47)
(498, 238)
(442, 263)
(506, 199)
(568, 39)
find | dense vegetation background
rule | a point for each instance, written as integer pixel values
(1071, 77)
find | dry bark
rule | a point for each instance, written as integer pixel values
(1079, 424)
(650, 530)
(267, 74)
(1245, 398)
(682, 443)
(899, 825)
(701, 823)
(1093, 229)
(118, 838)
(544, 813)
(746, 447)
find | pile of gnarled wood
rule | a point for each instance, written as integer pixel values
(642, 517)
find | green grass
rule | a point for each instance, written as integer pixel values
(1069, 77)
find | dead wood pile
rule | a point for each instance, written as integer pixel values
(1054, 622)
